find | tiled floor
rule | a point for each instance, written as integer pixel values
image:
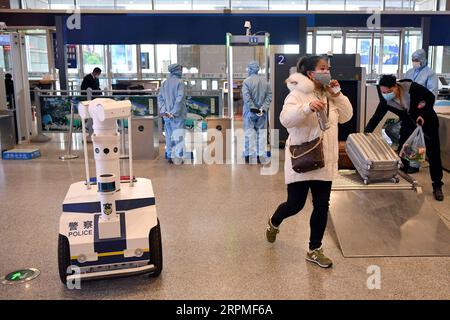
(213, 220)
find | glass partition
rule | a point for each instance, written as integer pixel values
(172, 5)
(95, 4)
(123, 59)
(148, 58)
(287, 5)
(328, 5)
(210, 4)
(37, 58)
(134, 4)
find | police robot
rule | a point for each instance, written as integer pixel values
(108, 226)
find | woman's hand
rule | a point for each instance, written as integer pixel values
(317, 105)
(332, 86)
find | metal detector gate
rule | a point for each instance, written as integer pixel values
(244, 40)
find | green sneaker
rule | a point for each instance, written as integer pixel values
(317, 256)
(271, 232)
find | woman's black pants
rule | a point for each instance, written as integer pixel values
(297, 194)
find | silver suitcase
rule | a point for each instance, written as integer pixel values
(372, 157)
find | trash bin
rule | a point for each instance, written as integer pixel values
(145, 137)
(222, 124)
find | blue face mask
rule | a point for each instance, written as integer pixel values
(388, 96)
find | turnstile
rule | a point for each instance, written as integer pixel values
(221, 126)
(145, 135)
(7, 131)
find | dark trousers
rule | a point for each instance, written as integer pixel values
(432, 144)
(297, 194)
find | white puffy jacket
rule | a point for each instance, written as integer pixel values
(303, 126)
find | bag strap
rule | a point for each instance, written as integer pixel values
(307, 151)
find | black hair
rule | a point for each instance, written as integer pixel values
(308, 63)
(8, 76)
(387, 80)
(97, 70)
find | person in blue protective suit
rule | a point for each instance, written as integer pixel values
(425, 76)
(422, 73)
(172, 107)
(257, 97)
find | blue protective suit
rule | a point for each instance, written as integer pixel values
(172, 107)
(423, 75)
(257, 94)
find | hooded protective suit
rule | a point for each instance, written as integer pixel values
(172, 107)
(422, 74)
(257, 96)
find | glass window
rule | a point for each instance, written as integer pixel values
(37, 58)
(96, 4)
(62, 4)
(413, 41)
(362, 43)
(309, 41)
(210, 4)
(399, 5)
(173, 5)
(287, 5)
(328, 41)
(71, 49)
(93, 56)
(148, 58)
(134, 4)
(14, 4)
(441, 63)
(425, 5)
(326, 5)
(390, 54)
(337, 43)
(291, 48)
(5, 53)
(249, 5)
(166, 54)
(123, 59)
(323, 43)
(35, 4)
(362, 5)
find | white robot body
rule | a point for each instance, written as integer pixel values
(111, 228)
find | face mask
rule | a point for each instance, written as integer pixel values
(323, 77)
(416, 64)
(388, 96)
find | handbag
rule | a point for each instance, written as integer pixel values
(308, 156)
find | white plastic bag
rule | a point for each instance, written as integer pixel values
(414, 148)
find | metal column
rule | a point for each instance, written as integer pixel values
(21, 87)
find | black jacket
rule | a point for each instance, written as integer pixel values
(417, 94)
(90, 82)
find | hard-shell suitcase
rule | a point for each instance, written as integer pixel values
(373, 158)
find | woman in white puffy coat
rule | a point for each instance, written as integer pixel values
(311, 90)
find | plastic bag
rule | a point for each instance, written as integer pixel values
(414, 148)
